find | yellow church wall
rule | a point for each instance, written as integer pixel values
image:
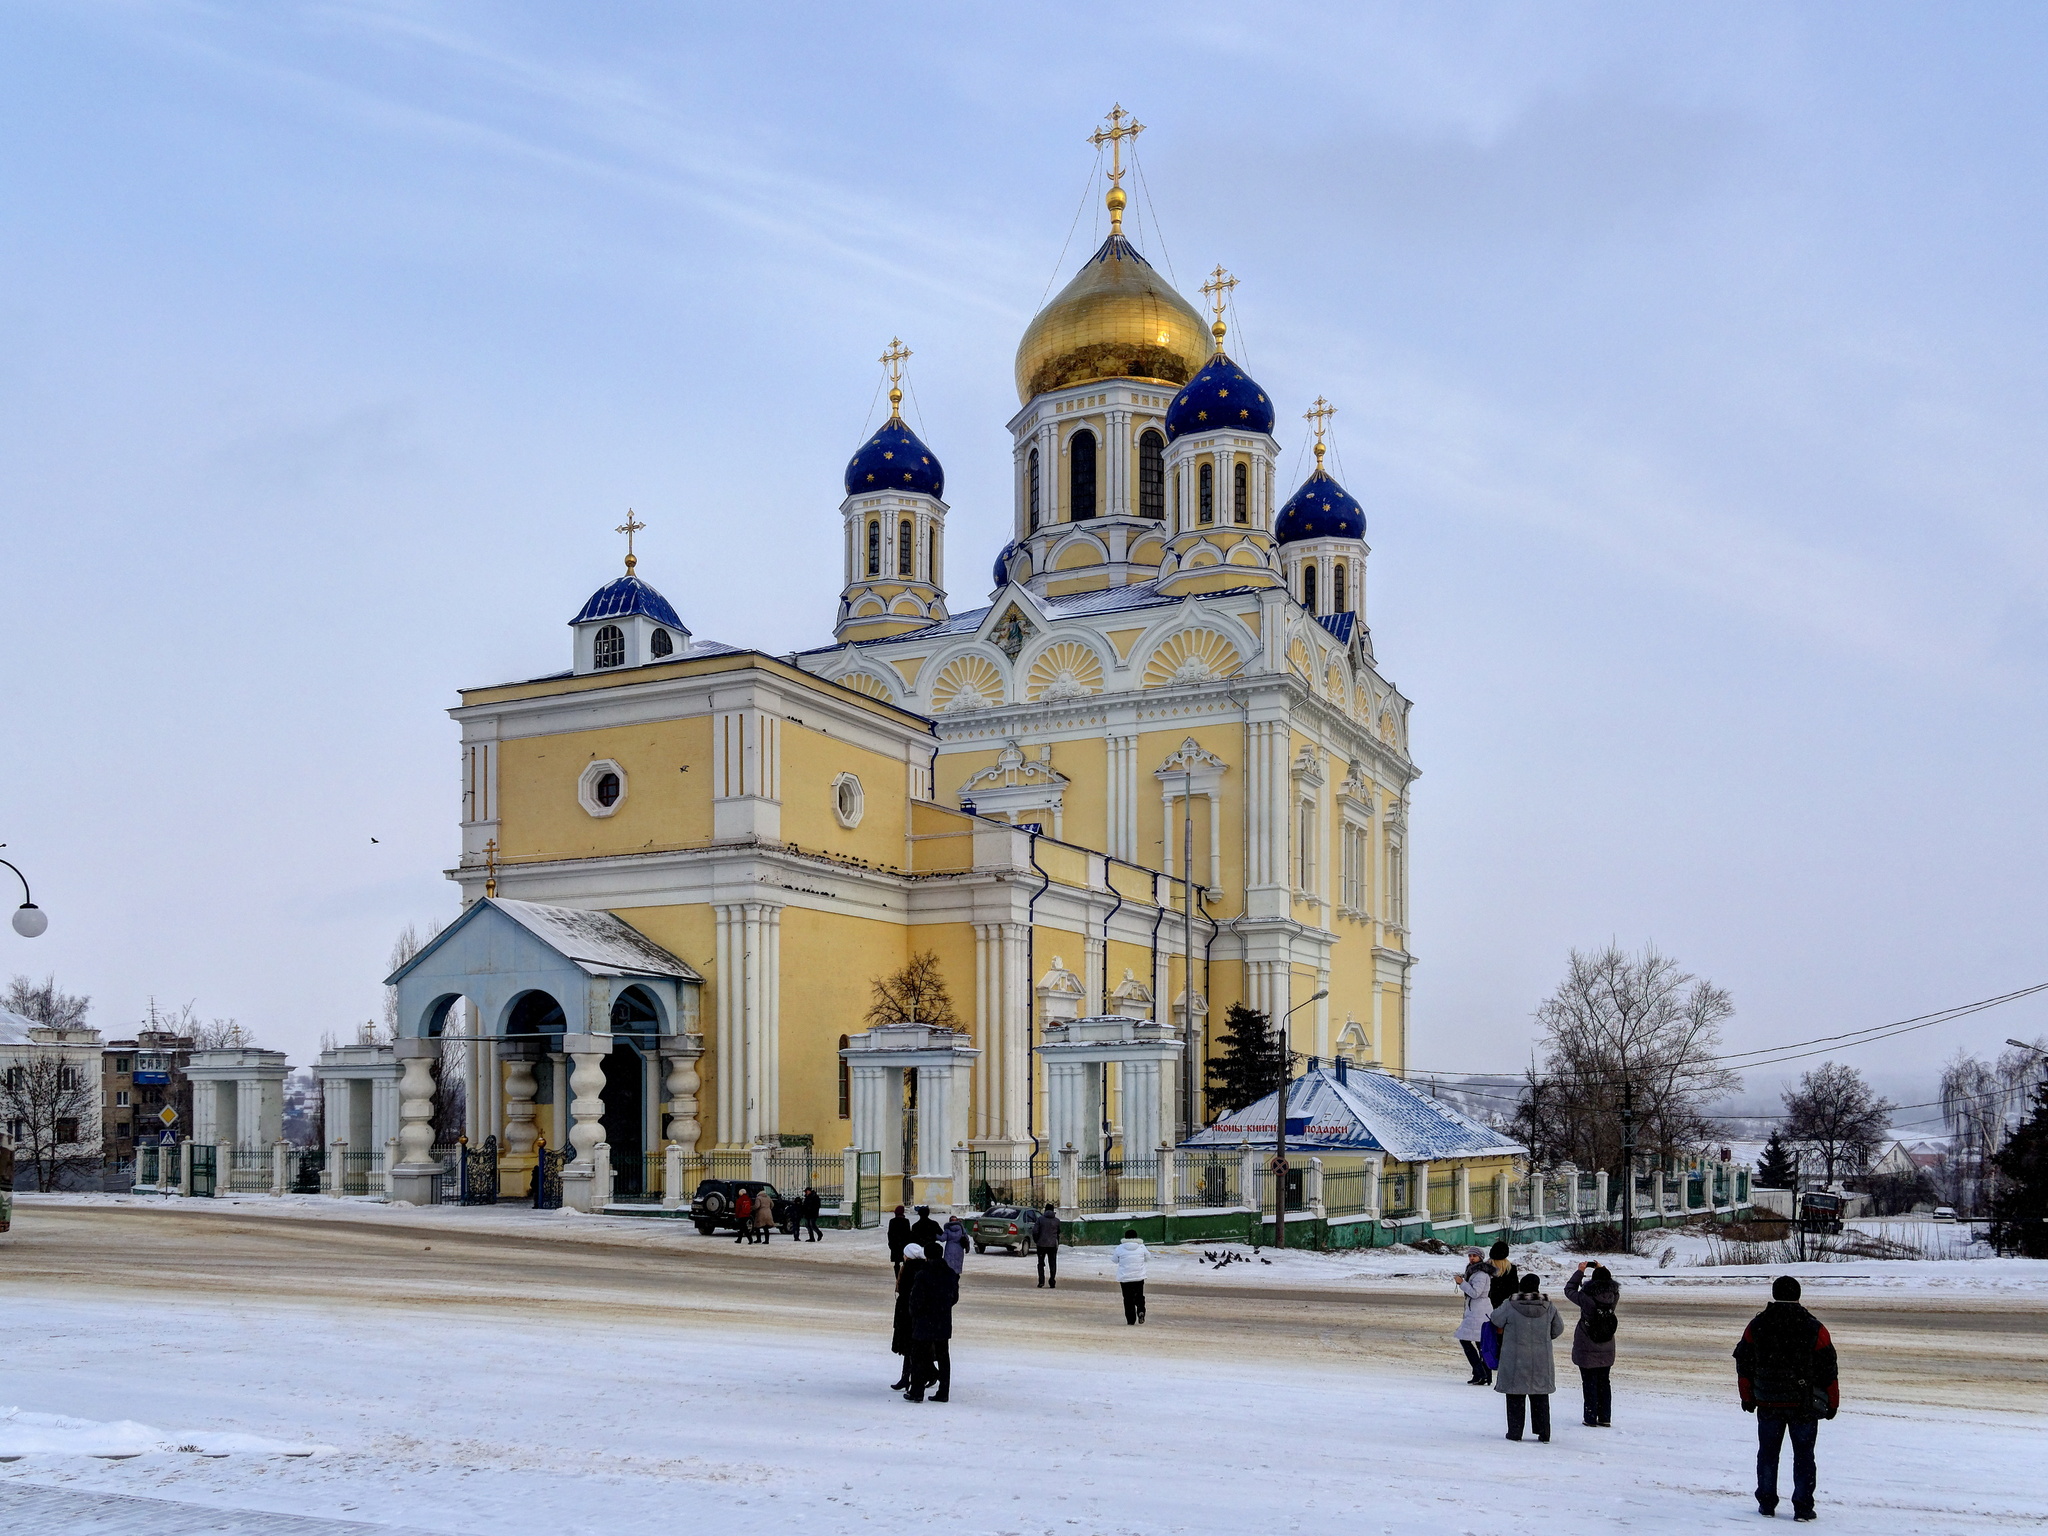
(811, 761)
(829, 961)
(540, 816)
(1154, 747)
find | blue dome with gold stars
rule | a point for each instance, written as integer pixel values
(1002, 572)
(1321, 509)
(894, 460)
(1221, 395)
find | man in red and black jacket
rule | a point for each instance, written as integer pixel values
(1785, 1366)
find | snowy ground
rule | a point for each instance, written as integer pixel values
(463, 1412)
(444, 1421)
(1672, 1259)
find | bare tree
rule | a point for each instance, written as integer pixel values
(1981, 1102)
(41, 1003)
(217, 1034)
(916, 994)
(1839, 1115)
(1620, 1024)
(52, 1105)
(410, 941)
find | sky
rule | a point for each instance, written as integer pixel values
(1688, 363)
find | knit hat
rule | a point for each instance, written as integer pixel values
(1499, 1251)
(913, 1250)
(1531, 1284)
(1784, 1288)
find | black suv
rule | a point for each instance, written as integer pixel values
(711, 1207)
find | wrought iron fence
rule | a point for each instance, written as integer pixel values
(1208, 1180)
(1348, 1190)
(357, 1171)
(1486, 1202)
(1025, 1181)
(311, 1163)
(1443, 1195)
(476, 1170)
(205, 1172)
(1113, 1186)
(547, 1177)
(248, 1170)
(1396, 1194)
(147, 1162)
(728, 1165)
(1297, 1192)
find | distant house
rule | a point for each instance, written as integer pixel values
(49, 1101)
(1909, 1157)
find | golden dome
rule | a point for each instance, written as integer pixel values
(1118, 319)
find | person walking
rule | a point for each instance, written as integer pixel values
(1786, 1370)
(1475, 1287)
(764, 1215)
(899, 1234)
(1045, 1241)
(907, 1265)
(933, 1295)
(955, 1236)
(812, 1205)
(1527, 1373)
(1595, 1296)
(926, 1233)
(1130, 1256)
(743, 1213)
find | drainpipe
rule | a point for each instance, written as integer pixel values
(1031, 1008)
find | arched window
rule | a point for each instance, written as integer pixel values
(1032, 476)
(1081, 476)
(661, 644)
(874, 547)
(903, 547)
(1308, 588)
(1206, 494)
(1151, 475)
(633, 1015)
(845, 1083)
(610, 650)
(1240, 493)
(1340, 597)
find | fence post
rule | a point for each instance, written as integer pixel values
(963, 1197)
(1600, 1195)
(1312, 1190)
(1536, 1202)
(1248, 1179)
(185, 1169)
(1374, 1166)
(1070, 1183)
(334, 1177)
(1462, 1216)
(278, 1183)
(390, 1162)
(1169, 1182)
(672, 1196)
(849, 1187)
(1657, 1195)
(757, 1162)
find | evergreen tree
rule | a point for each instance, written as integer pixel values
(1774, 1170)
(1250, 1063)
(2019, 1208)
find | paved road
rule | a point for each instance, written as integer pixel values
(1928, 1348)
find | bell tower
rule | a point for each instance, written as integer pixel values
(895, 527)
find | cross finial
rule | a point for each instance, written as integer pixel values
(1121, 126)
(491, 867)
(630, 527)
(1217, 291)
(1318, 415)
(893, 359)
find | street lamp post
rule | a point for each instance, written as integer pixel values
(29, 919)
(1280, 1127)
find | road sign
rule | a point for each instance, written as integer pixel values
(168, 1115)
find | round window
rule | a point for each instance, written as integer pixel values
(607, 789)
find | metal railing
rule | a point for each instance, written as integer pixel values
(869, 1203)
(1485, 1201)
(1443, 1196)
(1208, 1180)
(248, 1171)
(361, 1172)
(1025, 1181)
(1347, 1191)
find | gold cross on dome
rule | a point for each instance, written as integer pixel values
(491, 867)
(1114, 136)
(1318, 415)
(1217, 291)
(629, 527)
(893, 359)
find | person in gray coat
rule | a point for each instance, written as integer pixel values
(1527, 1373)
(1593, 1340)
(1045, 1241)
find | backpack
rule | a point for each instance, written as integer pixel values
(1601, 1323)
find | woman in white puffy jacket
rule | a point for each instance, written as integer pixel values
(1130, 1256)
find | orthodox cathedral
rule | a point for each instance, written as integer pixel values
(1155, 773)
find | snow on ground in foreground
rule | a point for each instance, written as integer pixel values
(46, 1434)
(456, 1419)
(1675, 1258)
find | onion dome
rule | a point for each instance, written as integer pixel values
(629, 595)
(1321, 509)
(1117, 319)
(1219, 396)
(1003, 563)
(895, 460)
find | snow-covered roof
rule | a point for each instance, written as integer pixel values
(596, 943)
(1365, 1111)
(14, 1028)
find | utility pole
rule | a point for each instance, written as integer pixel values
(1628, 1165)
(1280, 1128)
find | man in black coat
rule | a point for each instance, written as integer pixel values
(811, 1206)
(933, 1293)
(1045, 1242)
(909, 1264)
(928, 1234)
(1786, 1370)
(899, 1234)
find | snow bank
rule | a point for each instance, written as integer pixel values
(25, 1434)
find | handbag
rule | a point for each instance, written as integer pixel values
(1489, 1345)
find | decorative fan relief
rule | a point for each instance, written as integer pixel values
(970, 682)
(1069, 670)
(1192, 656)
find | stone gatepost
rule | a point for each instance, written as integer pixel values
(1600, 1194)
(1536, 1203)
(940, 1060)
(1374, 1164)
(1462, 1216)
(582, 1183)
(237, 1100)
(1079, 1054)
(1070, 1184)
(410, 1176)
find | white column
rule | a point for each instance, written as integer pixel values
(1373, 1165)
(248, 1114)
(962, 1194)
(682, 1088)
(1536, 1203)
(1503, 1211)
(586, 1105)
(1168, 1185)
(1016, 1034)
(1141, 1122)
(1600, 1194)
(1096, 952)
(1070, 1183)
(1312, 1190)
(1421, 1198)
(1462, 1216)
(520, 1131)
(1249, 1157)
(411, 1176)
(1215, 841)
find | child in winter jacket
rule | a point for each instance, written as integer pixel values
(1130, 1256)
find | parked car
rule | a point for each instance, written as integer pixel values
(712, 1205)
(1003, 1226)
(1944, 1213)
